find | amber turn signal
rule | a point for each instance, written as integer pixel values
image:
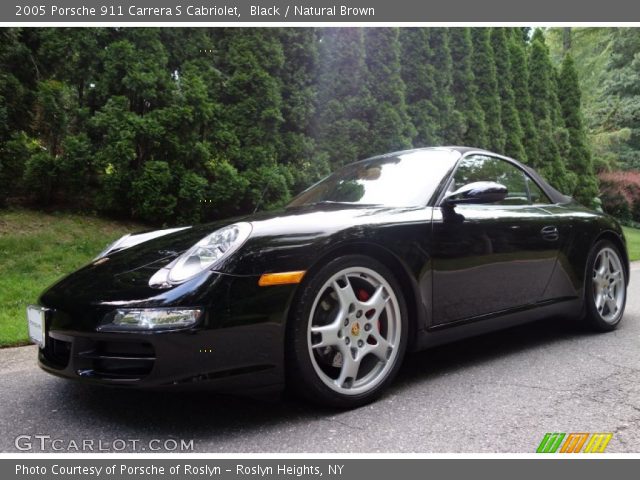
(282, 278)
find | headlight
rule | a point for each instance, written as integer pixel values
(151, 319)
(131, 240)
(208, 252)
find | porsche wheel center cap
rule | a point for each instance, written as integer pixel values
(355, 329)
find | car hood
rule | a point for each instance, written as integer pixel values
(124, 275)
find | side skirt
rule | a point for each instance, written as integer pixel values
(451, 332)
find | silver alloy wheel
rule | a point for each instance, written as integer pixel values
(608, 285)
(353, 337)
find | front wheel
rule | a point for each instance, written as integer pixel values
(348, 333)
(605, 287)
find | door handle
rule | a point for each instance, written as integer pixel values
(550, 233)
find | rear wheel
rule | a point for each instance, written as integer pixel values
(348, 333)
(605, 287)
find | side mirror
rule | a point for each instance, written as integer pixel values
(476, 193)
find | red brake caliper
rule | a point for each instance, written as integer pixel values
(363, 296)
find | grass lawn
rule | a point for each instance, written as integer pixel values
(38, 248)
(633, 242)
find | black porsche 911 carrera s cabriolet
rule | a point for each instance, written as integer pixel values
(394, 253)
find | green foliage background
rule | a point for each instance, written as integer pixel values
(170, 125)
(607, 67)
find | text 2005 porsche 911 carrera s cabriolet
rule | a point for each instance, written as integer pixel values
(394, 253)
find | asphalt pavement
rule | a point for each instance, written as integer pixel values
(496, 393)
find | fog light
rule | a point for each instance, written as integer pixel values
(151, 319)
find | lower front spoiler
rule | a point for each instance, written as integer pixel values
(244, 358)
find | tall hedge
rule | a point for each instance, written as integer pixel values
(486, 79)
(465, 90)
(508, 110)
(188, 125)
(579, 159)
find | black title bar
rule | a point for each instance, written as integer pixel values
(289, 11)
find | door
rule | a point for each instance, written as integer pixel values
(493, 257)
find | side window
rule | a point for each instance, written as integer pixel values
(538, 197)
(479, 168)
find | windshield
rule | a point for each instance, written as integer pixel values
(406, 180)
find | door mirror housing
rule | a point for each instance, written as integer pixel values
(476, 193)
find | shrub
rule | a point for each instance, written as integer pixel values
(151, 195)
(39, 176)
(620, 193)
(75, 166)
(191, 197)
(14, 154)
(225, 187)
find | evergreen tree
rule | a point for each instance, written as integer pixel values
(464, 88)
(196, 138)
(341, 124)
(390, 125)
(560, 131)
(53, 107)
(619, 115)
(190, 46)
(135, 66)
(117, 129)
(449, 120)
(509, 113)
(252, 111)
(69, 55)
(190, 124)
(19, 75)
(488, 95)
(418, 74)
(593, 50)
(520, 82)
(541, 84)
(17, 79)
(580, 160)
(133, 94)
(298, 79)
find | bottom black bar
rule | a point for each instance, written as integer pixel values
(343, 469)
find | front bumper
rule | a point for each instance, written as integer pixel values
(201, 358)
(238, 346)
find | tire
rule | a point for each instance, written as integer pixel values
(605, 287)
(347, 333)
